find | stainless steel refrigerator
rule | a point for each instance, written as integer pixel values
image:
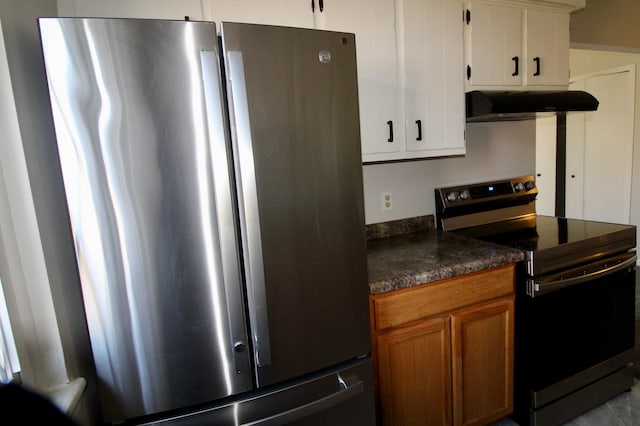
(214, 191)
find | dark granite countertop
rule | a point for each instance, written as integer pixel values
(401, 260)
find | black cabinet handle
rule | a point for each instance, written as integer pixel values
(516, 61)
(419, 123)
(320, 5)
(390, 124)
(537, 61)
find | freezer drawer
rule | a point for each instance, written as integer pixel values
(340, 396)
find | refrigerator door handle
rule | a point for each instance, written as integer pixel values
(346, 391)
(248, 206)
(219, 156)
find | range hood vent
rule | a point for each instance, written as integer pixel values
(525, 105)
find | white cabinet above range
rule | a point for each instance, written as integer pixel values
(521, 44)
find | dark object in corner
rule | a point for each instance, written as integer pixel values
(24, 406)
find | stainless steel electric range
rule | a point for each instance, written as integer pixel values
(575, 297)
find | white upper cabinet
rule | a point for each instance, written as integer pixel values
(145, 9)
(410, 74)
(517, 44)
(433, 79)
(374, 24)
(290, 13)
(546, 48)
(493, 44)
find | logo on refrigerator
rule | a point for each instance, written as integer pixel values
(324, 57)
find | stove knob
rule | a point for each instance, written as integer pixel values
(464, 195)
(518, 187)
(529, 185)
(452, 196)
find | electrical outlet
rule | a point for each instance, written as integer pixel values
(387, 201)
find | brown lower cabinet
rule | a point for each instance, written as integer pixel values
(443, 351)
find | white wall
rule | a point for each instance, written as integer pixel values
(494, 151)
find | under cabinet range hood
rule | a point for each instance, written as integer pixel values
(525, 105)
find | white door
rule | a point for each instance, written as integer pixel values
(546, 165)
(600, 147)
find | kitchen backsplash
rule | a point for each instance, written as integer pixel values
(494, 151)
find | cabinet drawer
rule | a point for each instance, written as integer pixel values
(402, 306)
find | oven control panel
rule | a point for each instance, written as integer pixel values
(479, 204)
(479, 192)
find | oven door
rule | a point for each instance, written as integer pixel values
(574, 329)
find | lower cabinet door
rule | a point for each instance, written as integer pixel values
(414, 365)
(482, 339)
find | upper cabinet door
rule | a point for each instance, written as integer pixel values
(374, 24)
(524, 46)
(493, 44)
(291, 13)
(547, 48)
(146, 9)
(431, 34)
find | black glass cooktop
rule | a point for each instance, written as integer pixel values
(550, 232)
(552, 242)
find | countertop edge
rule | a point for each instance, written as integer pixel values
(442, 273)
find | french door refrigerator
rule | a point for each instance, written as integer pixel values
(214, 190)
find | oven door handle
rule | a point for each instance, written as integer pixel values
(538, 288)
